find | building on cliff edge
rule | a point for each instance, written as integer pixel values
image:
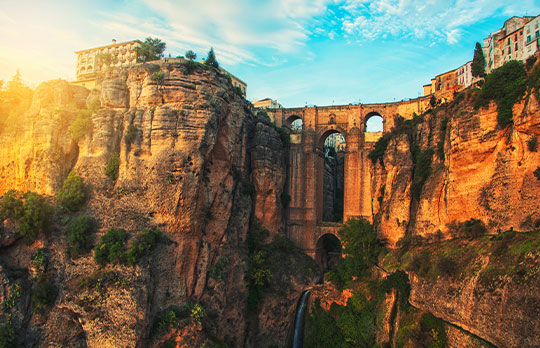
(267, 103)
(93, 60)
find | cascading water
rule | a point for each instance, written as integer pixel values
(298, 338)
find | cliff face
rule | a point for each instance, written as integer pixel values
(182, 141)
(486, 173)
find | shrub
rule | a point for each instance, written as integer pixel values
(11, 205)
(284, 136)
(78, 234)
(170, 316)
(113, 163)
(131, 135)
(111, 247)
(100, 280)
(432, 333)
(532, 144)
(447, 266)
(143, 244)
(529, 63)
(216, 271)
(506, 86)
(36, 216)
(247, 187)
(378, 151)
(399, 281)
(158, 77)
(537, 173)
(72, 195)
(472, 228)
(197, 313)
(39, 259)
(420, 264)
(82, 125)
(44, 294)
(238, 91)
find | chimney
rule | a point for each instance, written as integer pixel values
(113, 41)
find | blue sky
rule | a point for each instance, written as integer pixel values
(320, 52)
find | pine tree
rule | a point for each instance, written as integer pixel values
(211, 59)
(479, 62)
(191, 55)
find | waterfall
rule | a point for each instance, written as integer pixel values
(298, 338)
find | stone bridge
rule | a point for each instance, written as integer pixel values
(306, 162)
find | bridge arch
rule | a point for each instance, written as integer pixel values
(328, 251)
(294, 123)
(374, 122)
(326, 132)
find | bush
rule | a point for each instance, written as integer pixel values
(537, 173)
(420, 264)
(432, 333)
(378, 151)
(11, 205)
(78, 234)
(113, 163)
(216, 271)
(399, 281)
(529, 63)
(111, 247)
(82, 125)
(165, 319)
(72, 195)
(143, 244)
(472, 228)
(158, 77)
(36, 216)
(131, 135)
(506, 86)
(44, 294)
(532, 144)
(284, 136)
(197, 313)
(422, 169)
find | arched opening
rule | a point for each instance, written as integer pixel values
(294, 123)
(328, 251)
(333, 176)
(374, 123)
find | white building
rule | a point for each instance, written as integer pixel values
(464, 76)
(531, 37)
(267, 103)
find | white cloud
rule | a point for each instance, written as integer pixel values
(435, 20)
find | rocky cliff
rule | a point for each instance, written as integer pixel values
(192, 161)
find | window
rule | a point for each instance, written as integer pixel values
(528, 38)
(509, 50)
(516, 46)
(515, 37)
(503, 52)
(509, 41)
(536, 34)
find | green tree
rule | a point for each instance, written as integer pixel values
(15, 99)
(72, 195)
(150, 49)
(78, 234)
(211, 59)
(191, 55)
(479, 62)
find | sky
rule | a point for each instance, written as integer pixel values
(300, 52)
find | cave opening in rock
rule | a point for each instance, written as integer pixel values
(328, 251)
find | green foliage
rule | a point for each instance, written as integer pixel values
(169, 317)
(322, 330)
(197, 313)
(532, 144)
(44, 294)
(191, 66)
(362, 247)
(216, 271)
(143, 245)
(247, 187)
(378, 151)
(357, 322)
(506, 86)
(191, 55)
(11, 205)
(150, 49)
(130, 135)
(238, 91)
(82, 125)
(259, 274)
(537, 173)
(478, 65)
(39, 259)
(72, 195)
(79, 233)
(422, 169)
(111, 247)
(211, 59)
(472, 228)
(8, 336)
(36, 216)
(433, 101)
(112, 166)
(399, 281)
(432, 332)
(14, 293)
(420, 263)
(440, 144)
(529, 63)
(101, 280)
(284, 136)
(31, 211)
(158, 77)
